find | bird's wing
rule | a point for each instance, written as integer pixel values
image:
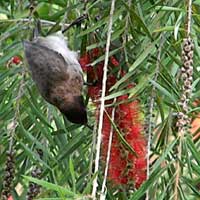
(47, 66)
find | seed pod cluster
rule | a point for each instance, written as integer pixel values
(34, 189)
(9, 175)
(186, 75)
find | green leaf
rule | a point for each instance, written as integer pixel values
(72, 172)
(101, 23)
(177, 25)
(164, 91)
(147, 184)
(120, 136)
(50, 186)
(38, 112)
(193, 150)
(131, 91)
(148, 49)
(138, 19)
(168, 8)
(33, 155)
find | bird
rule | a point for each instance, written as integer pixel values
(57, 74)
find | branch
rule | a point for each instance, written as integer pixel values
(103, 188)
(189, 17)
(99, 135)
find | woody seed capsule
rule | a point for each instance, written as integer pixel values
(187, 64)
(190, 71)
(190, 54)
(187, 48)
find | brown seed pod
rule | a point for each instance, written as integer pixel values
(187, 48)
(187, 64)
(184, 76)
(34, 189)
(187, 83)
(190, 54)
(190, 71)
(183, 70)
(8, 175)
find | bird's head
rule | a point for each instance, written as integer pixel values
(76, 111)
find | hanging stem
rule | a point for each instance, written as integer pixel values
(105, 68)
(189, 17)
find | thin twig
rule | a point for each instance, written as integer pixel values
(94, 135)
(189, 17)
(99, 135)
(24, 20)
(103, 188)
(178, 167)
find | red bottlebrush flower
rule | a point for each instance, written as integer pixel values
(95, 73)
(99, 71)
(10, 198)
(84, 61)
(114, 61)
(111, 80)
(95, 52)
(140, 177)
(140, 163)
(16, 60)
(124, 166)
(94, 92)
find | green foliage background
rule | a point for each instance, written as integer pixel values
(141, 30)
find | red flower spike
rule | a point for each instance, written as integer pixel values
(140, 177)
(95, 52)
(10, 198)
(114, 61)
(84, 61)
(124, 167)
(94, 92)
(140, 163)
(16, 60)
(99, 71)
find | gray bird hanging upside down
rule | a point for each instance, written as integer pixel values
(58, 75)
